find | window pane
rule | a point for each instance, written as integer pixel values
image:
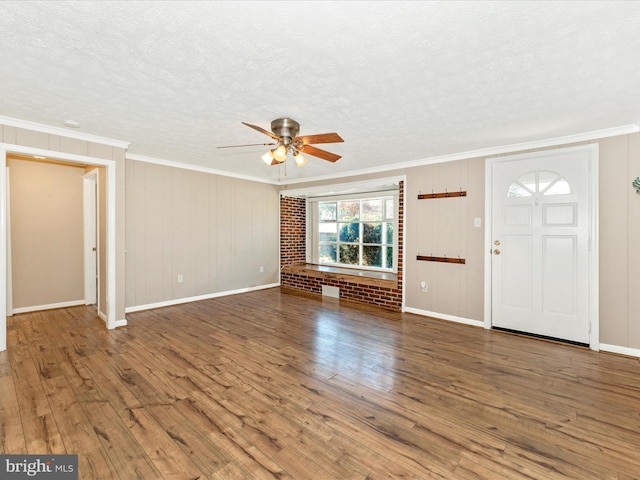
(371, 256)
(389, 208)
(350, 211)
(350, 254)
(356, 232)
(327, 211)
(328, 232)
(350, 232)
(328, 253)
(517, 190)
(561, 187)
(371, 210)
(545, 179)
(529, 181)
(371, 233)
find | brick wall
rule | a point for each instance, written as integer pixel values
(292, 251)
(293, 228)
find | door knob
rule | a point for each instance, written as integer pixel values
(496, 251)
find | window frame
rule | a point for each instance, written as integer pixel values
(313, 233)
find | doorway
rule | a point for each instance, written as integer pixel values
(542, 244)
(110, 234)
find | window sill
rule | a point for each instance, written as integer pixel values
(351, 275)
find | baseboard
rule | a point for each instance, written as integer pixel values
(444, 316)
(118, 323)
(51, 306)
(630, 352)
(168, 303)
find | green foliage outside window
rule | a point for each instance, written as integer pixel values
(357, 232)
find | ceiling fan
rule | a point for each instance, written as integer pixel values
(284, 131)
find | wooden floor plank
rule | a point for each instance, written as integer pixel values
(12, 438)
(272, 384)
(76, 431)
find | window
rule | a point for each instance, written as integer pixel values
(356, 232)
(541, 182)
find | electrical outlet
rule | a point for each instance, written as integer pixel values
(424, 286)
(180, 279)
(261, 269)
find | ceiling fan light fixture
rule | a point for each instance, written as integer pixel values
(268, 157)
(280, 153)
(299, 159)
(284, 132)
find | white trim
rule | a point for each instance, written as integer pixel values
(195, 168)
(3, 247)
(63, 132)
(51, 306)
(444, 316)
(110, 306)
(197, 298)
(631, 352)
(120, 323)
(482, 152)
(53, 155)
(594, 275)
(486, 249)
(345, 188)
(594, 246)
(116, 324)
(9, 296)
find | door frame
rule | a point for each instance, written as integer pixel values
(593, 254)
(91, 238)
(9, 296)
(110, 167)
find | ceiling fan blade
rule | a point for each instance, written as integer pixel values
(261, 130)
(320, 138)
(248, 145)
(323, 154)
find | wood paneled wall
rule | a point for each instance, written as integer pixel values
(215, 231)
(445, 227)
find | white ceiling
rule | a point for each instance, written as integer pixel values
(399, 81)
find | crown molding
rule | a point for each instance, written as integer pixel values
(195, 168)
(382, 184)
(63, 132)
(483, 152)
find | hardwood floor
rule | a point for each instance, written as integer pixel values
(273, 384)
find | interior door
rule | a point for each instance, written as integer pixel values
(540, 245)
(90, 238)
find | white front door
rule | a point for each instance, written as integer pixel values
(540, 234)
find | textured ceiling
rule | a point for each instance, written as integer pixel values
(399, 81)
